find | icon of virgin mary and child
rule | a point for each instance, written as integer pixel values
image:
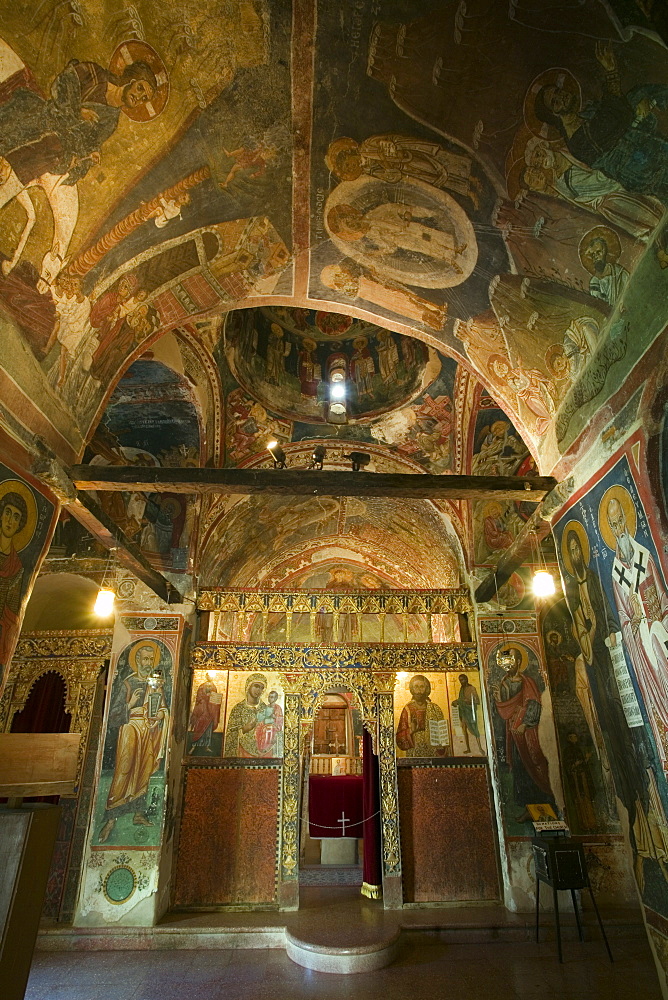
(255, 726)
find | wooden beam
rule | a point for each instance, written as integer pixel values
(128, 554)
(104, 530)
(302, 482)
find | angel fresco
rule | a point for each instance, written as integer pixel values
(52, 142)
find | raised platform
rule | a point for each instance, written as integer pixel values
(336, 930)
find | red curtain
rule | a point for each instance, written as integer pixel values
(372, 885)
(44, 711)
(331, 797)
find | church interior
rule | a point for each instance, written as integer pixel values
(333, 498)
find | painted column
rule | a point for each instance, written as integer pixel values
(288, 886)
(389, 802)
(127, 830)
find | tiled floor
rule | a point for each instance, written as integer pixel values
(501, 971)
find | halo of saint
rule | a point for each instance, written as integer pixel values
(578, 528)
(625, 500)
(24, 535)
(506, 647)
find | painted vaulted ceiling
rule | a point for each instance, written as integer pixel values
(206, 206)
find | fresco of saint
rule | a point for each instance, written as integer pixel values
(141, 713)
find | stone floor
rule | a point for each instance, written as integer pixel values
(505, 970)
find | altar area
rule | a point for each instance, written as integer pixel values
(335, 752)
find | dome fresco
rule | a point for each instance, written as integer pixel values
(287, 359)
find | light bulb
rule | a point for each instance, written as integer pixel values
(337, 390)
(543, 584)
(104, 602)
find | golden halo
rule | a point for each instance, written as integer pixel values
(360, 342)
(140, 644)
(336, 147)
(253, 678)
(556, 77)
(524, 655)
(309, 343)
(492, 508)
(610, 238)
(172, 505)
(579, 530)
(622, 495)
(133, 51)
(24, 536)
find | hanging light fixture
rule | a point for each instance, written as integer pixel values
(104, 602)
(106, 595)
(542, 584)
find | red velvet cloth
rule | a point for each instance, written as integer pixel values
(330, 797)
(372, 873)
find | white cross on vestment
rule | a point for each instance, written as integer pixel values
(344, 819)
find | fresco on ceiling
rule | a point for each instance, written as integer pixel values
(618, 599)
(497, 450)
(291, 372)
(589, 788)
(151, 407)
(402, 217)
(88, 290)
(523, 731)
(256, 534)
(254, 717)
(492, 206)
(422, 431)
(130, 793)
(26, 522)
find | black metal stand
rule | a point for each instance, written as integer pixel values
(561, 864)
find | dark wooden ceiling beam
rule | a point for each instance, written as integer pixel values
(522, 550)
(302, 482)
(103, 529)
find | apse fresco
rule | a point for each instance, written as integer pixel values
(150, 420)
(269, 538)
(26, 522)
(616, 592)
(522, 730)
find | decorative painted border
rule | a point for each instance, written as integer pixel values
(390, 602)
(391, 656)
